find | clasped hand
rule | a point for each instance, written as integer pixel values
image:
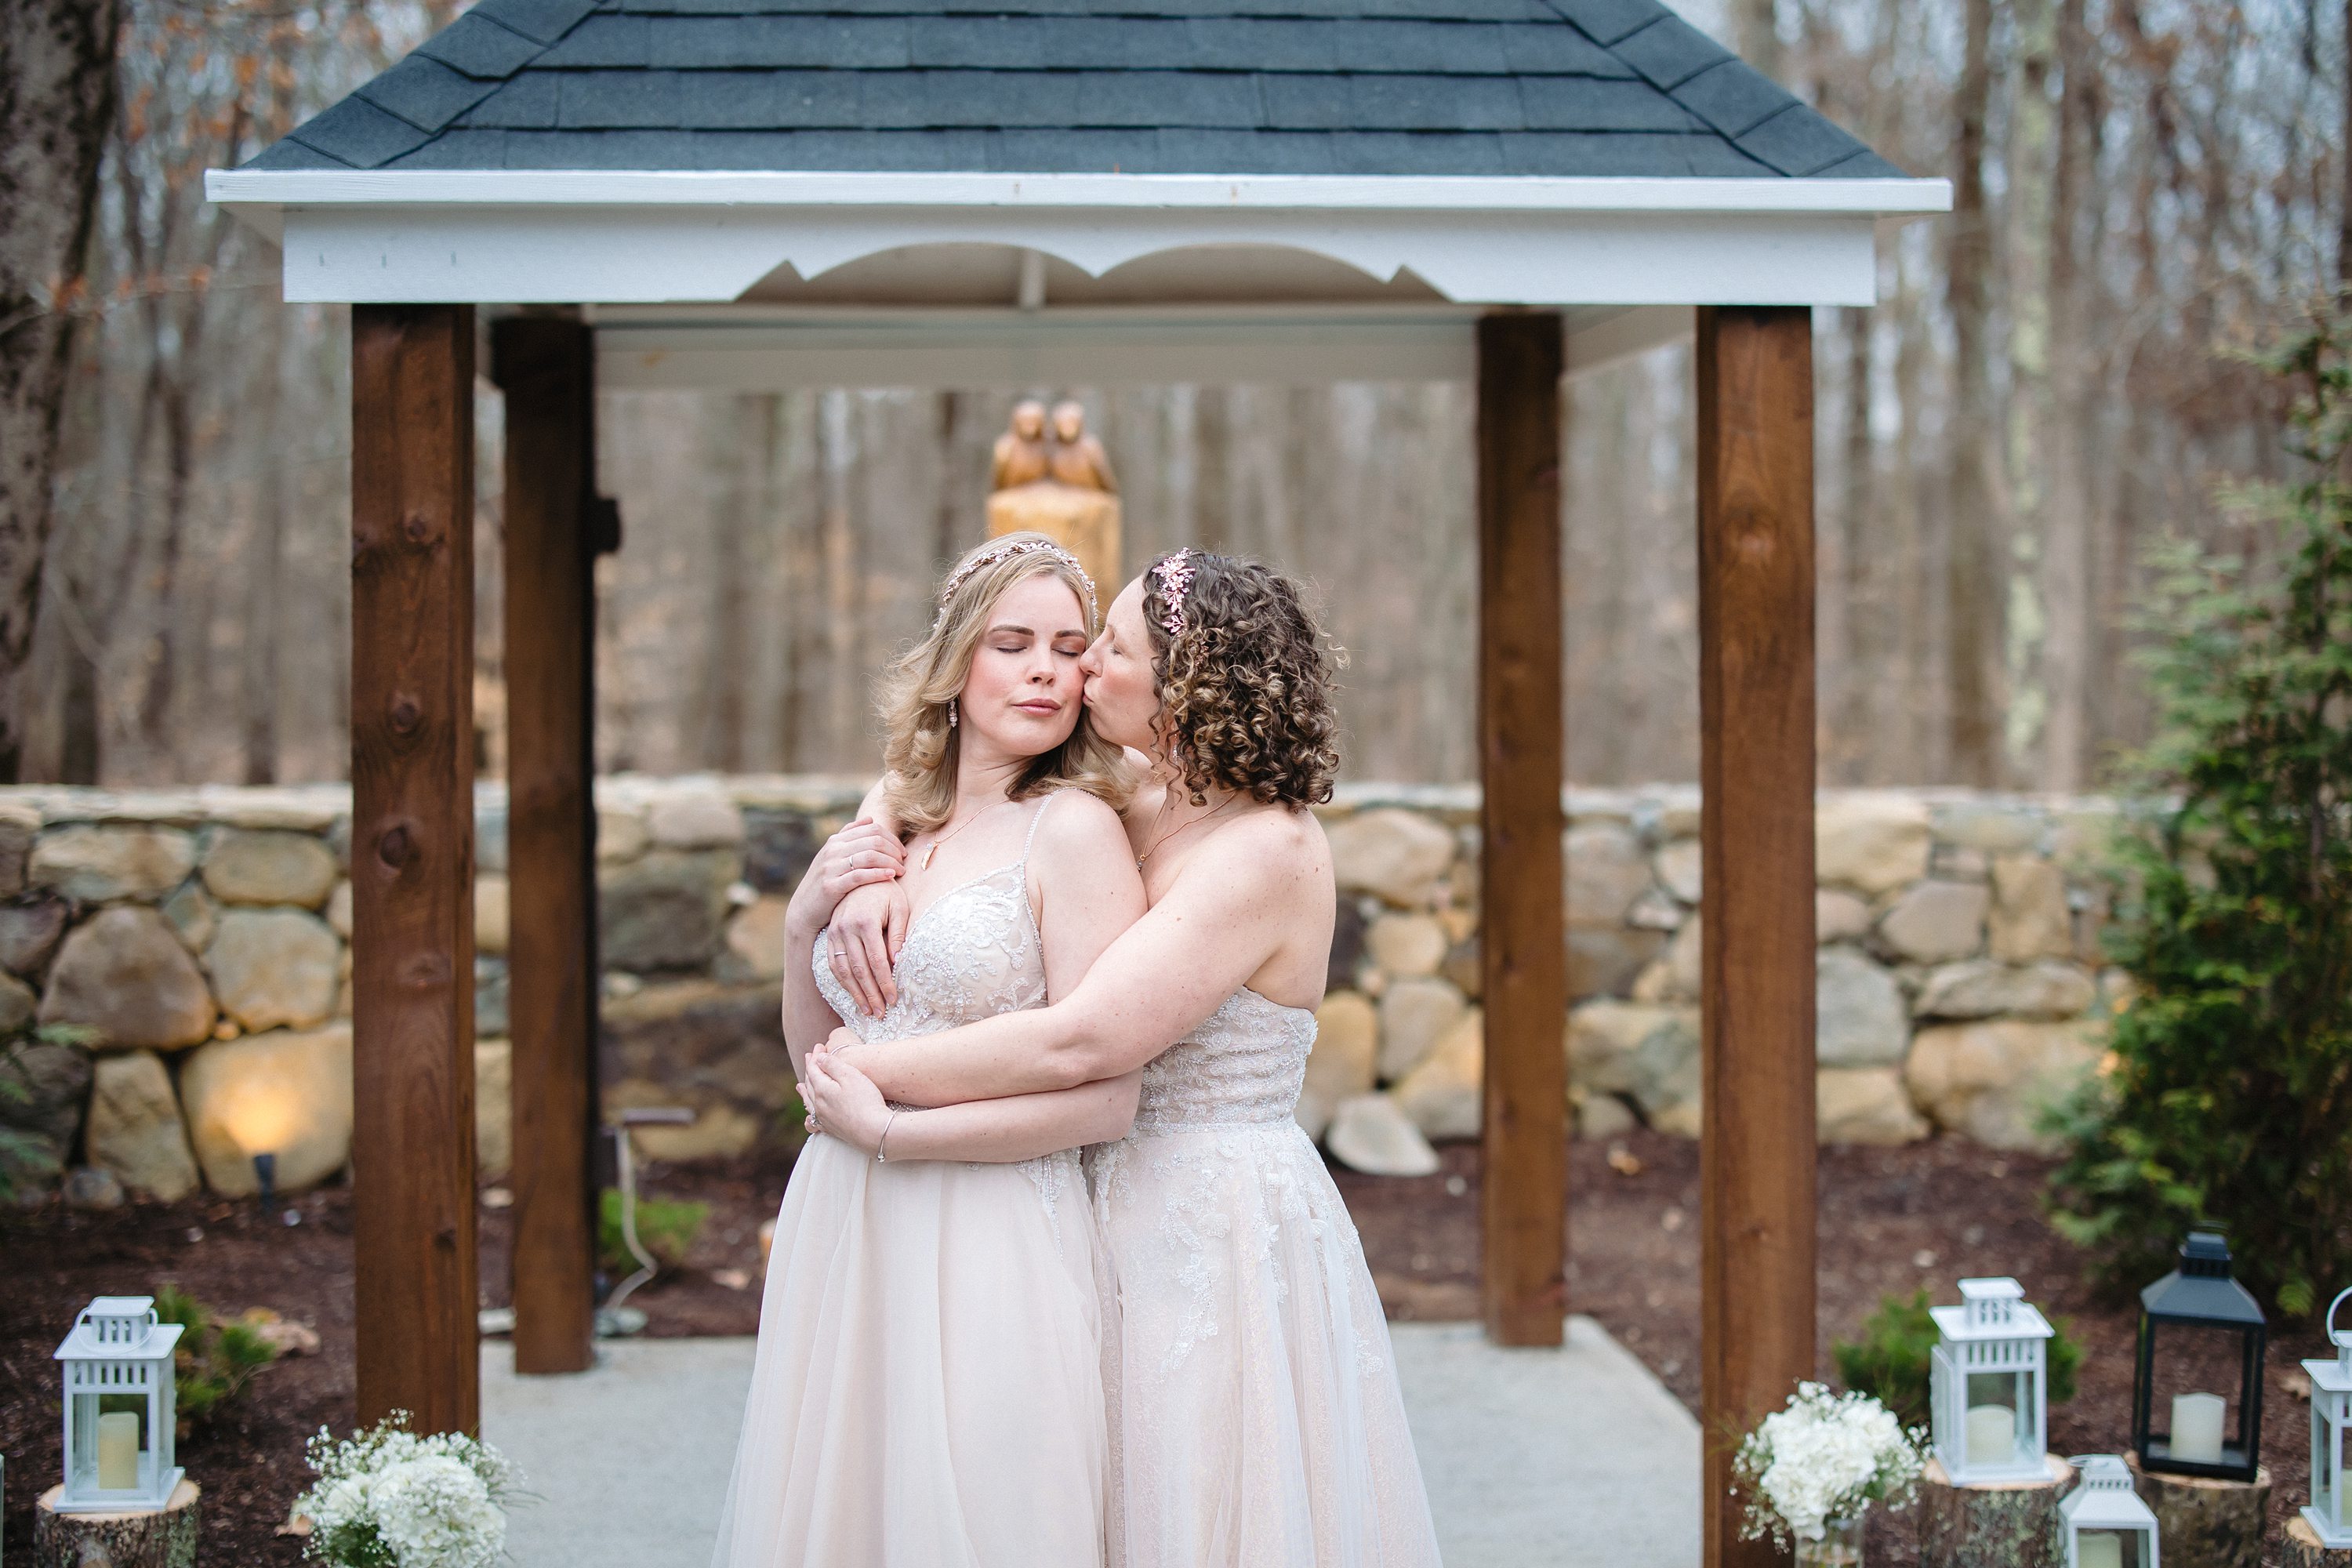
(853, 889)
(841, 1101)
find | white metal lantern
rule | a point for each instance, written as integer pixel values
(1988, 1384)
(2330, 1513)
(119, 1408)
(2105, 1524)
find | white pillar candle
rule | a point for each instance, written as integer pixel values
(118, 1450)
(1992, 1434)
(2099, 1550)
(2197, 1427)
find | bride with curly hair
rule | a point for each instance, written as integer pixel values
(1256, 1418)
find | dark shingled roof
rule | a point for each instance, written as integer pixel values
(1216, 87)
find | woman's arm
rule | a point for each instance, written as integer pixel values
(1232, 909)
(847, 1106)
(869, 924)
(859, 854)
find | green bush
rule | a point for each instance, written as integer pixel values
(667, 1227)
(1898, 1341)
(214, 1359)
(2229, 1097)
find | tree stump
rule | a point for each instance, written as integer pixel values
(2300, 1548)
(166, 1539)
(1992, 1524)
(2204, 1523)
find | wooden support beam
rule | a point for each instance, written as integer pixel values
(1523, 1196)
(1756, 908)
(411, 855)
(546, 367)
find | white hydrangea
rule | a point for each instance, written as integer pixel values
(388, 1497)
(1824, 1456)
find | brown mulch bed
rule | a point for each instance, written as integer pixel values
(1891, 1220)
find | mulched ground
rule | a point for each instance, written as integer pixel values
(1891, 1220)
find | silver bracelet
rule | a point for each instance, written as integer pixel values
(884, 1141)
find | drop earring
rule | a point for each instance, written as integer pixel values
(952, 713)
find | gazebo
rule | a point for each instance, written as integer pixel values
(753, 195)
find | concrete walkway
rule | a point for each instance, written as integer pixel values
(1569, 1459)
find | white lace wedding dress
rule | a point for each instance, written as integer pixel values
(1256, 1416)
(927, 1387)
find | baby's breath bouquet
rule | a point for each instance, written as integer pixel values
(387, 1497)
(1811, 1469)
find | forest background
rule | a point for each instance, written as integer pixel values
(2036, 399)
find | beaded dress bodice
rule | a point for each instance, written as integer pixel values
(973, 953)
(1244, 1064)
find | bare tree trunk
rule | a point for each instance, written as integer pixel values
(2344, 202)
(2026, 448)
(57, 100)
(1975, 618)
(1756, 34)
(2068, 642)
(263, 617)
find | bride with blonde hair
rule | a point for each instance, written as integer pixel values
(928, 1389)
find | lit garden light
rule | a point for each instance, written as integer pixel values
(1989, 1386)
(2104, 1522)
(118, 1414)
(260, 1119)
(2331, 1421)
(2198, 1324)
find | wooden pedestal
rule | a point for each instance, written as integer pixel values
(163, 1540)
(1992, 1524)
(2301, 1549)
(2202, 1523)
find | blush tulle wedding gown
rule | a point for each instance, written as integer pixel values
(927, 1387)
(1256, 1420)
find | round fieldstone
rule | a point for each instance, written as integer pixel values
(491, 991)
(124, 973)
(19, 823)
(665, 910)
(89, 1187)
(1414, 1015)
(1678, 869)
(1395, 855)
(777, 849)
(244, 866)
(1603, 961)
(694, 816)
(1935, 921)
(30, 929)
(46, 1084)
(1982, 988)
(1865, 1105)
(490, 913)
(1442, 1096)
(96, 865)
(1369, 1134)
(2029, 915)
(755, 935)
(274, 968)
(493, 1106)
(18, 1002)
(1343, 1063)
(134, 1129)
(620, 834)
(1859, 1017)
(1839, 916)
(193, 915)
(1606, 871)
(1872, 841)
(1992, 1080)
(283, 1092)
(1406, 945)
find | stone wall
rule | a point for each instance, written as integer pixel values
(201, 940)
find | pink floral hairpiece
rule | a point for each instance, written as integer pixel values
(1005, 550)
(1175, 575)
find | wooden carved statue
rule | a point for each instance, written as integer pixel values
(1052, 476)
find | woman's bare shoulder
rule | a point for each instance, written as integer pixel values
(1079, 821)
(1281, 843)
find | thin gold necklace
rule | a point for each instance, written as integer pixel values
(932, 853)
(1179, 828)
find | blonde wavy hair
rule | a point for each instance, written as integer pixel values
(920, 748)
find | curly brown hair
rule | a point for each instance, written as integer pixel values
(1245, 692)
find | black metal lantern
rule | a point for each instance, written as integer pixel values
(2200, 1330)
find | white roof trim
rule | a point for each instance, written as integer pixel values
(631, 187)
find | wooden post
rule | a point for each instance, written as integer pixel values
(411, 863)
(1992, 1524)
(546, 367)
(1756, 773)
(1522, 918)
